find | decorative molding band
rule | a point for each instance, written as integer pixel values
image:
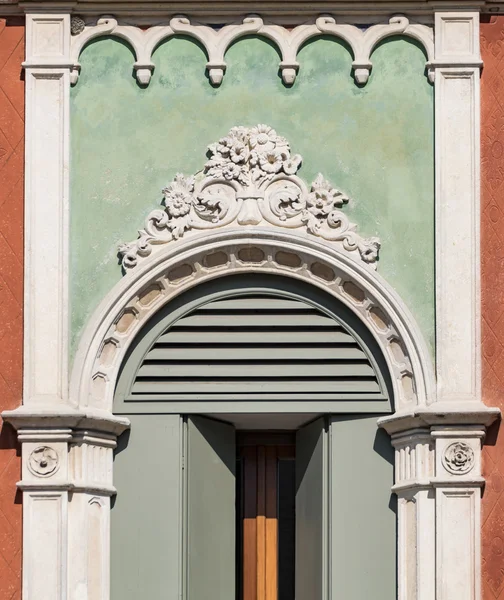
(65, 425)
(291, 13)
(250, 179)
(216, 42)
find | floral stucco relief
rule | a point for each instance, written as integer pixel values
(250, 179)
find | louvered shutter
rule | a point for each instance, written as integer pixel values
(256, 347)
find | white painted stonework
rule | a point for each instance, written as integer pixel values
(181, 265)
(216, 42)
(67, 429)
(250, 179)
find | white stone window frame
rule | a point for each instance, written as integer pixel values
(67, 440)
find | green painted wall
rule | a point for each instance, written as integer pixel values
(373, 142)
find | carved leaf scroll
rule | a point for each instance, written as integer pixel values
(250, 178)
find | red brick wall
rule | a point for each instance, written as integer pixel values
(11, 294)
(492, 288)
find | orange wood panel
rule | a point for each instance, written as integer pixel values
(260, 456)
(249, 523)
(271, 574)
(261, 523)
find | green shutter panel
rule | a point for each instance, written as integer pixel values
(256, 348)
(311, 512)
(363, 521)
(146, 532)
(210, 471)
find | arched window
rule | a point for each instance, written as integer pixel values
(253, 402)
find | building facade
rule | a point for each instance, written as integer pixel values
(261, 255)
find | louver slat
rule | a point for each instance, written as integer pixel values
(252, 353)
(256, 348)
(230, 386)
(258, 370)
(257, 320)
(210, 335)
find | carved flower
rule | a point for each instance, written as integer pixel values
(43, 461)
(323, 198)
(292, 164)
(178, 196)
(458, 458)
(271, 161)
(231, 171)
(239, 133)
(224, 145)
(254, 158)
(239, 152)
(263, 138)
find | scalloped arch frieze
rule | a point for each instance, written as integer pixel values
(216, 42)
(250, 179)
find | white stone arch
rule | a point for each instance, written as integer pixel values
(181, 265)
(216, 42)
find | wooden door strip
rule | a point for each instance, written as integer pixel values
(260, 516)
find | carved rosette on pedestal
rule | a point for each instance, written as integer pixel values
(458, 458)
(43, 461)
(250, 179)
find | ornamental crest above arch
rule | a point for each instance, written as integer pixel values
(250, 179)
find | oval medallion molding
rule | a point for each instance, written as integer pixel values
(458, 458)
(183, 264)
(216, 42)
(250, 179)
(43, 461)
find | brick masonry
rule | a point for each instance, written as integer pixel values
(11, 294)
(492, 288)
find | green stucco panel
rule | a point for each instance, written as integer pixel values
(373, 142)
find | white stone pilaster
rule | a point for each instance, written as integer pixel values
(45, 487)
(47, 69)
(457, 105)
(414, 461)
(438, 484)
(457, 486)
(67, 485)
(90, 465)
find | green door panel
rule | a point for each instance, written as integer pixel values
(363, 519)
(146, 530)
(345, 522)
(211, 466)
(311, 512)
